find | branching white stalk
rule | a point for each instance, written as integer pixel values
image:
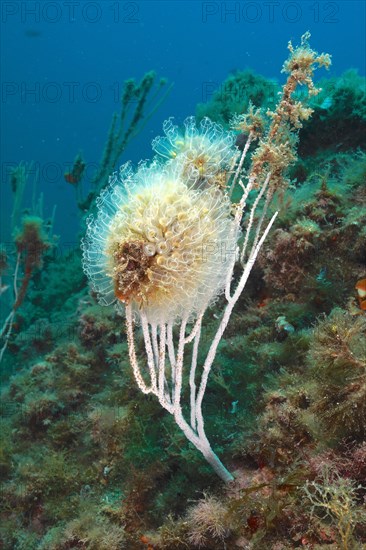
(7, 327)
(160, 339)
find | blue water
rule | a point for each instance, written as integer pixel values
(63, 65)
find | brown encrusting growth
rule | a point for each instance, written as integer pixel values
(131, 270)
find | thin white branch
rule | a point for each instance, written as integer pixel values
(238, 217)
(179, 366)
(196, 327)
(240, 165)
(15, 283)
(132, 352)
(161, 365)
(223, 324)
(7, 327)
(260, 223)
(149, 352)
(6, 332)
(192, 374)
(154, 338)
(251, 216)
(171, 353)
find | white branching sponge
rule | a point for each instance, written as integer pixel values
(165, 240)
